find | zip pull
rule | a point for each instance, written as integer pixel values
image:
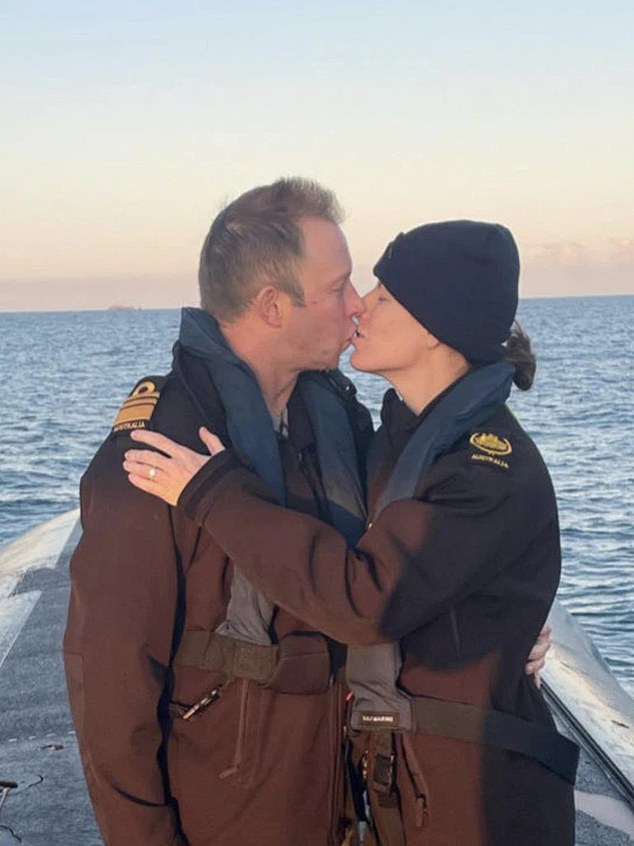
(364, 767)
(203, 703)
(421, 813)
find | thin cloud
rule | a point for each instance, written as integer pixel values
(571, 268)
(622, 250)
(573, 253)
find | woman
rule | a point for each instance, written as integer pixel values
(448, 587)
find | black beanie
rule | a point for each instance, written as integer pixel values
(459, 279)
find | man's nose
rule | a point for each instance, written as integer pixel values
(355, 306)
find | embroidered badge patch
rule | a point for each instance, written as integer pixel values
(138, 407)
(491, 444)
(491, 449)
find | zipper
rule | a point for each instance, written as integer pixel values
(418, 781)
(238, 754)
(337, 740)
(204, 703)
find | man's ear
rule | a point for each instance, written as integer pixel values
(269, 305)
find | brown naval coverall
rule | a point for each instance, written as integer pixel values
(256, 767)
(464, 576)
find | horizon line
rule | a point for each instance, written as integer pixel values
(128, 308)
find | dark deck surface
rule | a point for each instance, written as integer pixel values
(38, 748)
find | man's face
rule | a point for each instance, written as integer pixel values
(320, 330)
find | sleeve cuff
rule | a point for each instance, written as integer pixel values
(201, 485)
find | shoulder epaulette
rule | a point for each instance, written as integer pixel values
(491, 449)
(138, 407)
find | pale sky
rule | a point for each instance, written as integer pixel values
(126, 125)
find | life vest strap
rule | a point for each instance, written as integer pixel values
(299, 664)
(497, 729)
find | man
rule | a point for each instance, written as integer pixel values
(242, 746)
(204, 714)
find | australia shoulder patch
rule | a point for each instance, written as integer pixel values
(488, 448)
(138, 407)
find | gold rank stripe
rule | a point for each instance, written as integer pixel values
(135, 411)
(142, 395)
(142, 399)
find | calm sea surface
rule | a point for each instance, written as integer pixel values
(64, 374)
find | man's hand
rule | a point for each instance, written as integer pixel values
(166, 473)
(537, 656)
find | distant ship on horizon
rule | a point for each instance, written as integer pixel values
(120, 307)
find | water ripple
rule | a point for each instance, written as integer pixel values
(65, 374)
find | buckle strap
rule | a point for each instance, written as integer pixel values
(382, 768)
(384, 796)
(497, 729)
(299, 664)
(228, 655)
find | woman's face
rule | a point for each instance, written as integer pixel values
(389, 340)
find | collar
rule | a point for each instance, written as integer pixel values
(400, 421)
(300, 431)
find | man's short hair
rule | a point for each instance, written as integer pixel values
(257, 240)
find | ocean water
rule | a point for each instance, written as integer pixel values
(64, 374)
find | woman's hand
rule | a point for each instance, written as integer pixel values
(166, 475)
(537, 657)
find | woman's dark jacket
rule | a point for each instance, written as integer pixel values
(463, 574)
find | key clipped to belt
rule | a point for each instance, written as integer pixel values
(207, 700)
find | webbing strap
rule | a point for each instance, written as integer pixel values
(497, 729)
(235, 658)
(384, 797)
